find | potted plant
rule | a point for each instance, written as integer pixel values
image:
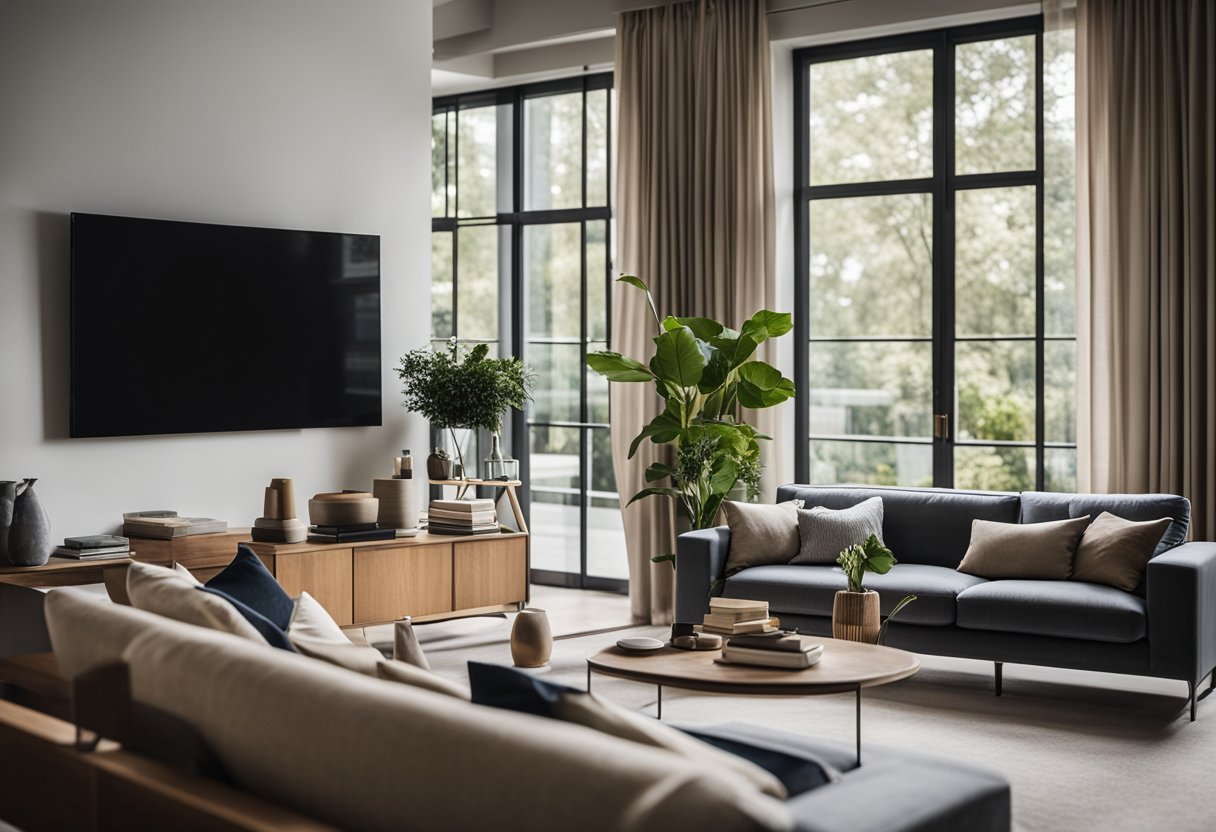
(472, 392)
(439, 465)
(706, 375)
(855, 610)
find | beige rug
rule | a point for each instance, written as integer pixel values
(1082, 750)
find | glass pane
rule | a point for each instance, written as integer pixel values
(606, 556)
(553, 274)
(441, 285)
(555, 486)
(996, 391)
(1059, 182)
(477, 283)
(558, 368)
(993, 469)
(597, 148)
(871, 389)
(597, 389)
(994, 270)
(553, 150)
(439, 164)
(994, 90)
(1060, 469)
(477, 140)
(871, 118)
(1060, 391)
(873, 463)
(597, 281)
(871, 266)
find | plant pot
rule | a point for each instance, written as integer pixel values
(438, 468)
(855, 616)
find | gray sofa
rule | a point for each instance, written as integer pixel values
(1054, 623)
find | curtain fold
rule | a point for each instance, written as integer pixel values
(1146, 281)
(694, 215)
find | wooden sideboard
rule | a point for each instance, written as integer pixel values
(428, 577)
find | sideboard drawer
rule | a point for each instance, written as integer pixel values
(393, 582)
(491, 572)
(324, 574)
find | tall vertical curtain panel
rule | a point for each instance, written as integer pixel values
(1146, 265)
(694, 217)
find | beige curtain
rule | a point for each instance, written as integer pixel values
(1146, 278)
(694, 217)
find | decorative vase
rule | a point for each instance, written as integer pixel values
(29, 534)
(531, 639)
(438, 468)
(494, 466)
(855, 616)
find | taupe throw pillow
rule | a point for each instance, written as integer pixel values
(1116, 552)
(1041, 551)
(825, 532)
(761, 533)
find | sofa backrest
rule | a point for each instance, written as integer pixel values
(366, 754)
(1041, 506)
(920, 525)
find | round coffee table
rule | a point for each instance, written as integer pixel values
(846, 666)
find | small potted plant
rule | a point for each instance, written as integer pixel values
(439, 465)
(855, 613)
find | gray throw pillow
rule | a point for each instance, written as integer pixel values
(761, 533)
(1033, 551)
(825, 533)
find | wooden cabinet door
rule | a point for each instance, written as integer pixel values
(325, 575)
(396, 581)
(491, 572)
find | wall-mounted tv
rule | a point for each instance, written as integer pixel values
(183, 327)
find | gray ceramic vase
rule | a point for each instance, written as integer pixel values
(28, 541)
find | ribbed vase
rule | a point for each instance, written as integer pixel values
(531, 639)
(855, 616)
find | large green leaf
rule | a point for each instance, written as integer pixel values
(637, 282)
(703, 328)
(765, 324)
(616, 367)
(658, 471)
(652, 491)
(724, 476)
(762, 385)
(717, 371)
(678, 359)
(663, 428)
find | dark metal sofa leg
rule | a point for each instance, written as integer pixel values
(1000, 666)
(1192, 687)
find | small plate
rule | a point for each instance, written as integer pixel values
(640, 645)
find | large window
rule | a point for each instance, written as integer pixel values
(935, 259)
(522, 242)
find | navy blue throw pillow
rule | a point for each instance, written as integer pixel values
(249, 581)
(267, 628)
(504, 687)
(798, 771)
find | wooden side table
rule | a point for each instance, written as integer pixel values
(67, 572)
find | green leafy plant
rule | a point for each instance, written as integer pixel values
(706, 375)
(471, 392)
(439, 453)
(861, 558)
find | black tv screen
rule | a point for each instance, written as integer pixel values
(182, 327)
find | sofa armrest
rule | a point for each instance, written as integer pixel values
(1182, 612)
(700, 560)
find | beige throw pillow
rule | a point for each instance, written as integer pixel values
(173, 593)
(761, 533)
(1116, 552)
(1035, 551)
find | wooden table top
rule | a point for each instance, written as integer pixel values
(844, 666)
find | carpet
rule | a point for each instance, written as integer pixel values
(1082, 750)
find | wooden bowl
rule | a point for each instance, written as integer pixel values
(343, 508)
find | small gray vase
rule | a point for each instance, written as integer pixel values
(29, 536)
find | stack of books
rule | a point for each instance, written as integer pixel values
(735, 616)
(462, 517)
(349, 534)
(788, 650)
(166, 525)
(95, 547)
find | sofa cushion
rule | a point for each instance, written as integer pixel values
(248, 580)
(170, 593)
(266, 628)
(1065, 609)
(1038, 506)
(499, 686)
(826, 532)
(359, 753)
(1038, 551)
(920, 525)
(810, 590)
(1115, 552)
(761, 533)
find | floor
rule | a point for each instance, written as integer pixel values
(1082, 750)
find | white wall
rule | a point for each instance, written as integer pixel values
(308, 114)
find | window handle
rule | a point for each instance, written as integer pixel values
(941, 427)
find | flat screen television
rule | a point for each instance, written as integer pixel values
(183, 327)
